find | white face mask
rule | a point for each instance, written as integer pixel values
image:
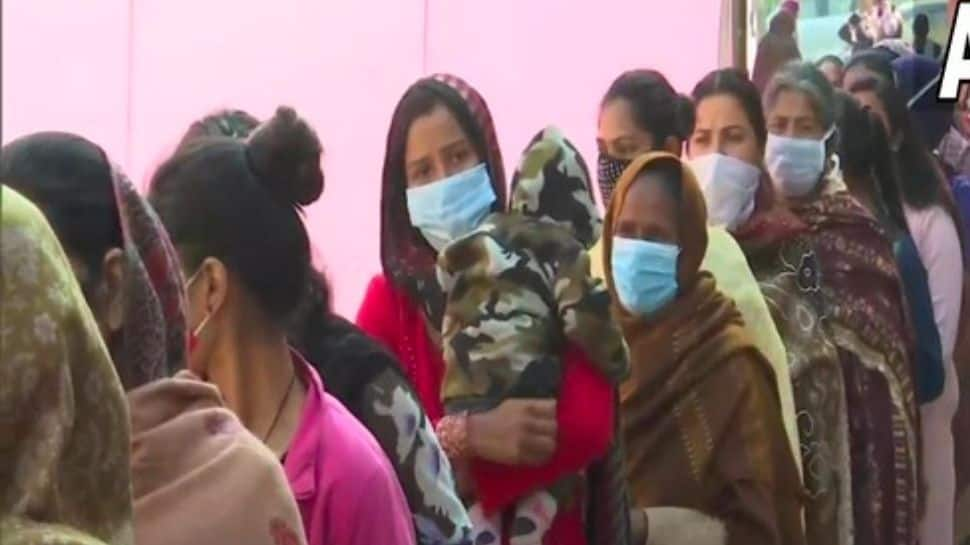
(729, 187)
(795, 164)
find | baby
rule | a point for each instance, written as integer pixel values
(518, 290)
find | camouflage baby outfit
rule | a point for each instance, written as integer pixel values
(519, 289)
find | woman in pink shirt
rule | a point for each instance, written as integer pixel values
(232, 209)
(932, 219)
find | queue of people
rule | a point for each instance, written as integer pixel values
(760, 338)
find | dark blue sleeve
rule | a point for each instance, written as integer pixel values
(929, 373)
(961, 193)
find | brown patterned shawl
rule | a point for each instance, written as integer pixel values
(859, 282)
(834, 292)
(701, 419)
(64, 461)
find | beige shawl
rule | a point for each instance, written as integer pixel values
(200, 477)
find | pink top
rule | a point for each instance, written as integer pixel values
(938, 243)
(344, 485)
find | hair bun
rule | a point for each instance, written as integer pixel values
(683, 116)
(285, 154)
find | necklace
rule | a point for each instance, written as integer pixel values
(279, 411)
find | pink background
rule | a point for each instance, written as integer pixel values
(131, 75)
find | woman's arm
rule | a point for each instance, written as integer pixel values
(584, 413)
(929, 369)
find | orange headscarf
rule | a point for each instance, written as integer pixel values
(691, 217)
(701, 419)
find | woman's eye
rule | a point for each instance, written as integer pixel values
(459, 157)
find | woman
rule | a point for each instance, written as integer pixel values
(642, 105)
(243, 288)
(931, 218)
(875, 63)
(869, 173)
(131, 278)
(776, 48)
(442, 129)
(701, 419)
(859, 342)
(64, 474)
(367, 379)
(731, 123)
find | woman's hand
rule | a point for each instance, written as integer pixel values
(519, 432)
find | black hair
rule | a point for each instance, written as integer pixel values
(69, 179)
(874, 60)
(834, 59)
(240, 201)
(657, 108)
(865, 156)
(735, 83)
(228, 122)
(921, 25)
(346, 357)
(920, 180)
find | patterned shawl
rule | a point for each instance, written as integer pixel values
(860, 285)
(153, 346)
(407, 259)
(702, 422)
(834, 291)
(63, 416)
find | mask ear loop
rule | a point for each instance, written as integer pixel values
(193, 340)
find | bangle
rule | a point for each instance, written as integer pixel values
(453, 435)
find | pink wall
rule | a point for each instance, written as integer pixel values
(132, 75)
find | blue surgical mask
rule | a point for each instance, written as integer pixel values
(644, 274)
(449, 209)
(796, 164)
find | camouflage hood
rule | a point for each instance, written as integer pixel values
(552, 184)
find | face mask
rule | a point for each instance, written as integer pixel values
(609, 172)
(729, 187)
(795, 164)
(194, 334)
(644, 274)
(451, 208)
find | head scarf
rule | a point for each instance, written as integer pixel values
(64, 462)
(407, 259)
(694, 375)
(152, 342)
(918, 79)
(552, 184)
(691, 216)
